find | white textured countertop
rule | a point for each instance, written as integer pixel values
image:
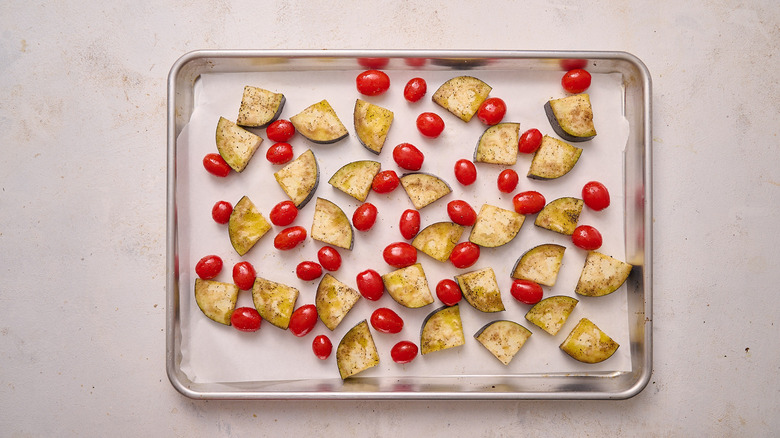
(82, 212)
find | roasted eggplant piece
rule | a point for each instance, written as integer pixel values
(498, 144)
(423, 188)
(442, 329)
(480, 289)
(275, 302)
(437, 240)
(320, 124)
(246, 226)
(560, 215)
(334, 300)
(462, 96)
(299, 178)
(571, 117)
(356, 351)
(587, 343)
(503, 338)
(551, 313)
(553, 159)
(495, 226)
(601, 275)
(259, 107)
(216, 300)
(331, 225)
(540, 264)
(372, 123)
(235, 144)
(355, 178)
(408, 286)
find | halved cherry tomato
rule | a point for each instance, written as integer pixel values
(465, 172)
(526, 291)
(308, 270)
(586, 237)
(279, 153)
(386, 320)
(289, 238)
(403, 352)
(385, 181)
(430, 125)
(283, 213)
(246, 319)
(530, 141)
(244, 275)
(409, 225)
(461, 213)
(280, 130)
(408, 156)
(220, 212)
(372, 82)
(400, 255)
(464, 255)
(303, 320)
(216, 165)
(529, 202)
(507, 180)
(415, 89)
(208, 267)
(321, 346)
(373, 62)
(491, 111)
(576, 81)
(448, 292)
(595, 195)
(364, 217)
(370, 285)
(329, 258)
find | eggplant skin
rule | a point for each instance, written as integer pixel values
(571, 117)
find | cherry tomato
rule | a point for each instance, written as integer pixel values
(491, 111)
(386, 320)
(526, 291)
(408, 156)
(400, 255)
(415, 89)
(303, 320)
(595, 195)
(530, 141)
(409, 225)
(280, 131)
(216, 165)
(586, 237)
(576, 81)
(465, 172)
(415, 62)
(385, 181)
(403, 352)
(373, 62)
(370, 285)
(461, 213)
(571, 64)
(430, 124)
(507, 180)
(208, 267)
(329, 258)
(530, 202)
(321, 346)
(448, 292)
(308, 270)
(279, 153)
(372, 82)
(244, 275)
(283, 213)
(289, 238)
(246, 319)
(464, 254)
(220, 212)
(364, 217)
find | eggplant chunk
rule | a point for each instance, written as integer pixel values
(553, 159)
(356, 351)
(601, 275)
(462, 96)
(498, 144)
(372, 123)
(540, 264)
(409, 286)
(355, 178)
(423, 189)
(587, 343)
(319, 123)
(551, 313)
(571, 117)
(246, 226)
(259, 107)
(503, 338)
(299, 178)
(275, 302)
(560, 215)
(442, 329)
(495, 226)
(216, 300)
(438, 240)
(334, 300)
(235, 144)
(480, 289)
(331, 225)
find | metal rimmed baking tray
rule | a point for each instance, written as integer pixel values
(634, 88)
